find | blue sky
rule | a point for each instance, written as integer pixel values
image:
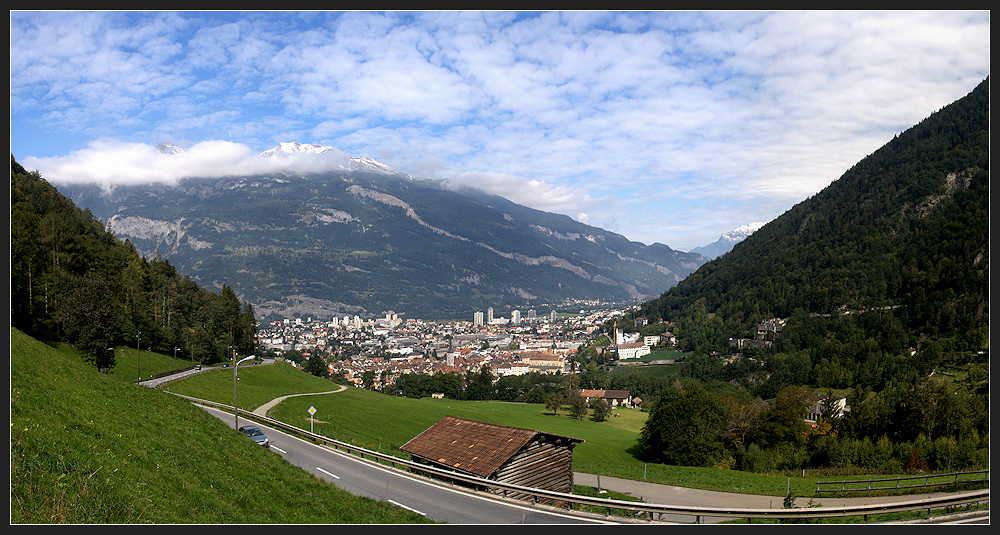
(669, 127)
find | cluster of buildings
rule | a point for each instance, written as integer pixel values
(389, 346)
(767, 331)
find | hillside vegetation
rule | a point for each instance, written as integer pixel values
(905, 231)
(73, 281)
(93, 448)
(880, 284)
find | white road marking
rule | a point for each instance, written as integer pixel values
(335, 476)
(394, 502)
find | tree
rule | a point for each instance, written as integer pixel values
(480, 384)
(601, 408)
(89, 317)
(683, 429)
(553, 401)
(742, 422)
(784, 422)
(368, 379)
(316, 365)
(293, 355)
(578, 407)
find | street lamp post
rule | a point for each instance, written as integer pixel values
(236, 410)
(138, 374)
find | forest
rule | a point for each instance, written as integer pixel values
(72, 281)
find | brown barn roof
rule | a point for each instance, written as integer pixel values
(469, 446)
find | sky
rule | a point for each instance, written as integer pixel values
(669, 127)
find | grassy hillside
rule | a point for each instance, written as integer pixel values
(93, 448)
(257, 384)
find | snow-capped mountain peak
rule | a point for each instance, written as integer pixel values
(726, 242)
(332, 156)
(737, 235)
(295, 147)
(167, 148)
(311, 156)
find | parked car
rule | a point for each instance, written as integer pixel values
(256, 435)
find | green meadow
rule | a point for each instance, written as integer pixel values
(384, 423)
(93, 448)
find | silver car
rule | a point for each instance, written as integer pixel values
(256, 434)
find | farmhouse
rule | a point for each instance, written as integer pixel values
(507, 454)
(617, 398)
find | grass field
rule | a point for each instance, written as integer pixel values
(93, 448)
(384, 423)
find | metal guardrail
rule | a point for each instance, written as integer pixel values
(652, 511)
(856, 484)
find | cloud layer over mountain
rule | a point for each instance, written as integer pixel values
(663, 126)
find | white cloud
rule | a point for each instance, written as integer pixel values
(528, 192)
(699, 121)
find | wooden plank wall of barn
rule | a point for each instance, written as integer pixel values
(543, 465)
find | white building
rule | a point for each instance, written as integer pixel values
(632, 351)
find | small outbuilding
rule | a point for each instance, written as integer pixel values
(512, 455)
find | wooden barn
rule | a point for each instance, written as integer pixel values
(508, 454)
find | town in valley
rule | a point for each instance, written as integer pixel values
(517, 344)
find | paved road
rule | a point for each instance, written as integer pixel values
(437, 501)
(671, 495)
(158, 381)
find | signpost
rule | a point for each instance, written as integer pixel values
(312, 412)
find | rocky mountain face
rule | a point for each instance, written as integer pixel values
(369, 241)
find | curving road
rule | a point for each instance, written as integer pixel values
(437, 501)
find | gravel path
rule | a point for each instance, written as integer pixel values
(262, 410)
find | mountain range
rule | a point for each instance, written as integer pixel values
(365, 239)
(726, 242)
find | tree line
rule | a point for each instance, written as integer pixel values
(71, 280)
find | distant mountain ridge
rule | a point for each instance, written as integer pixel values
(364, 240)
(727, 241)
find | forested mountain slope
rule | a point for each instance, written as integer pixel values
(73, 281)
(907, 228)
